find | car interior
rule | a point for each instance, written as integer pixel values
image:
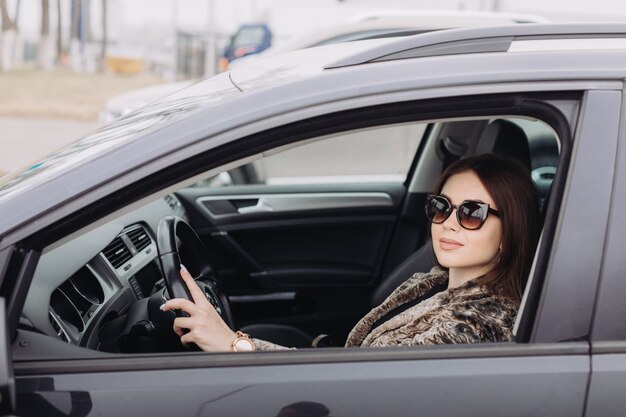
(292, 245)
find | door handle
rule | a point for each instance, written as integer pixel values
(261, 206)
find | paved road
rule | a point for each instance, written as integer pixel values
(24, 140)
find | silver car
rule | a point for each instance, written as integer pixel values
(292, 189)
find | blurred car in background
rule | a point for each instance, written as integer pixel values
(250, 42)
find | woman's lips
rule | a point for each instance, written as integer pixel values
(449, 244)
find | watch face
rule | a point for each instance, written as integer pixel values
(244, 345)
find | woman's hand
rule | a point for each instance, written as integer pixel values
(204, 326)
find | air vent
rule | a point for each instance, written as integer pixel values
(117, 253)
(139, 238)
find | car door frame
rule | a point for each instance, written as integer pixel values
(608, 336)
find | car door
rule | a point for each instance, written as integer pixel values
(545, 371)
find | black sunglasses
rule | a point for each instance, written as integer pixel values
(471, 215)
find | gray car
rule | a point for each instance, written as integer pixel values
(293, 190)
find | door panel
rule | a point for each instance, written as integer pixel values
(298, 254)
(607, 392)
(241, 206)
(442, 381)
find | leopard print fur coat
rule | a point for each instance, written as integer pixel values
(465, 314)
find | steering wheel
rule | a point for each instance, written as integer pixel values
(175, 237)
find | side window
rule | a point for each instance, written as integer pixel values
(381, 154)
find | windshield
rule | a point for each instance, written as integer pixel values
(173, 108)
(249, 36)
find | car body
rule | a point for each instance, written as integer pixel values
(125, 103)
(308, 243)
(365, 26)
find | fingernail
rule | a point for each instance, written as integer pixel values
(183, 268)
(162, 307)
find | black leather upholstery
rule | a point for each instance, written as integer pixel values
(420, 261)
(506, 139)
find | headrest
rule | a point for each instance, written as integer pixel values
(505, 138)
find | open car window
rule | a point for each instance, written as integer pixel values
(376, 154)
(382, 154)
(323, 246)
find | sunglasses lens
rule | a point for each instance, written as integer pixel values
(438, 209)
(472, 215)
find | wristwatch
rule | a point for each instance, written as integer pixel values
(243, 343)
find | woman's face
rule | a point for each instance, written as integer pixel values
(468, 253)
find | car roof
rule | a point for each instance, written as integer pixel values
(485, 39)
(369, 25)
(303, 79)
(466, 15)
(461, 42)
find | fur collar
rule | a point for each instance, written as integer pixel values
(466, 314)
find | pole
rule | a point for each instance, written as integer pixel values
(211, 55)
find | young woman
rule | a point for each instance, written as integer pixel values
(484, 225)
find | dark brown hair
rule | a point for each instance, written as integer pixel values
(515, 196)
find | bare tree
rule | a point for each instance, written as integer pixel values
(105, 35)
(75, 49)
(46, 44)
(9, 38)
(90, 54)
(7, 23)
(59, 31)
(45, 17)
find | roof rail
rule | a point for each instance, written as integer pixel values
(404, 14)
(478, 40)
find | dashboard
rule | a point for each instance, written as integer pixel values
(98, 277)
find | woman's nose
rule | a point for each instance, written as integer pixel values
(451, 222)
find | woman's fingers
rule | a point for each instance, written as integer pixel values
(187, 339)
(204, 326)
(180, 304)
(180, 332)
(196, 293)
(183, 323)
(204, 334)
